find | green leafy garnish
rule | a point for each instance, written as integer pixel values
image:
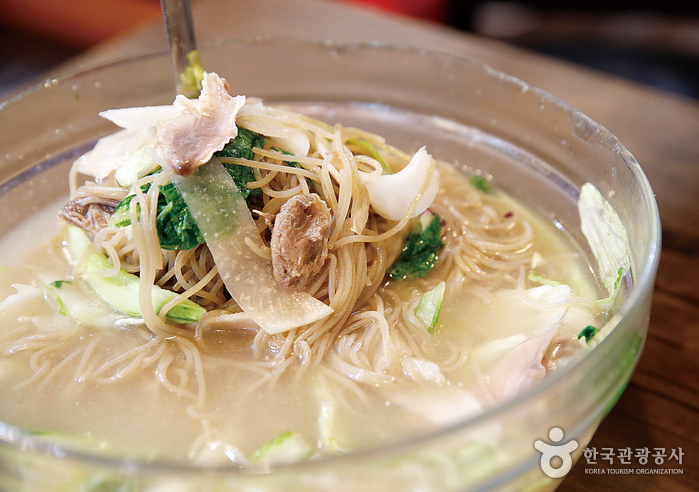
(420, 252)
(241, 147)
(482, 184)
(174, 223)
(176, 227)
(588, 332)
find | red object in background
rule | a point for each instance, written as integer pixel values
(433, 10)
(77, 23)
(82, 23)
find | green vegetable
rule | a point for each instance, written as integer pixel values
(370, 150)
(121, 216)
(241, 146)
(84, 442)
(73, 299)
(482, 184)
(121, 291)
(59, 283)
(535, 276)
(419, 253)
(138, 165)
(51, 292)
(588, 332)
(174, 223)
(287, 447)
(430, 306)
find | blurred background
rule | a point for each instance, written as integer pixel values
(655, 42)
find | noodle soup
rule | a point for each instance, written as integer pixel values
(432, 306)
(512, 298)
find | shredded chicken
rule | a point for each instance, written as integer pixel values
(90, 213)
(521, 368)
(203, 127)
(300, 240)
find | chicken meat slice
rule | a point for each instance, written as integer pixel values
(300, 240)
(204, 126)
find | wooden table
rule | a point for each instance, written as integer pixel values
(660, 408)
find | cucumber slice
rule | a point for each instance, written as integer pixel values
(121, 290)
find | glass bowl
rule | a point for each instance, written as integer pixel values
(540, 150)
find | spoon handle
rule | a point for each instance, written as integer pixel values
(180, 34)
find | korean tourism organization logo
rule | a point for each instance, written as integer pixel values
(635, 461)
(561, 452)
(550, 451)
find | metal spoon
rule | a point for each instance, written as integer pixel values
(177, 15)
